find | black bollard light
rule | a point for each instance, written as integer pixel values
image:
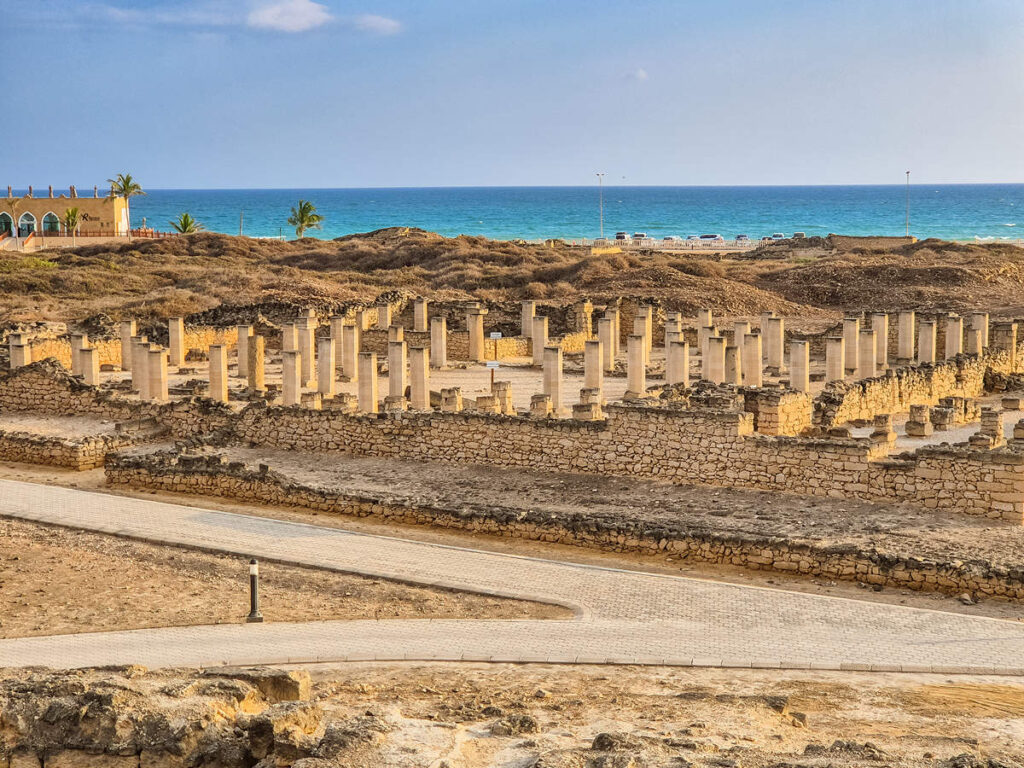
(254, 617)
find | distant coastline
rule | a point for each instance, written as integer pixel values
(951, 211)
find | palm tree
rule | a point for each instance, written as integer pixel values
(304, 217)
(126, 187)
(72, 221)
(186, 225)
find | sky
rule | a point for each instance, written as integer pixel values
(407, 93)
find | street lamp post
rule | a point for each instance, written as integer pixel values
(600, 197)
(908, 204)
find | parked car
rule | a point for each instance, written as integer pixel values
(742, 239)
(692, 237)
(622, 235)
(798, 235)
(672, 239)
(712, 238)
(778, 236)
(639, 235)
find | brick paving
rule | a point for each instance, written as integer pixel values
(622, 616)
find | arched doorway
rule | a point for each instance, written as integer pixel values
(26, 224)
(6, 224)
(51, 224)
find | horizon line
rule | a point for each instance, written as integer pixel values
(566, 186)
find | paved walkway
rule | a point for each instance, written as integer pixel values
(622, 616)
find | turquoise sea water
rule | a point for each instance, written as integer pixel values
(958, 212)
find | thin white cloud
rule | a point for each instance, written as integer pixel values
(289, 16)
(639, 74)
(378, 25)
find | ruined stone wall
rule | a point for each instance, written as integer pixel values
(780, 413)
(78, 454)
(706, 447)
(209, 476)
(197, 337)
(895, 392)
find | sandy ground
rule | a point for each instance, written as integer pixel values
(414, 715)
(94, 480)
(58, 581)
(678, 717)
(48, 425)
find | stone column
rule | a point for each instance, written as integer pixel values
(765, 317)
(307, 350)
(640, 329)
(677, 363)
(127, 331)
(89, 359)
(325, 367)
(289, 337)
(851, 335)
(647, 313)
(835, 358)
(905, 336)
(553, 378)
(419, 315)
(362, 320)
(244, 335)
(257, 358)
(350, 352)
(739, 330)
(776, 342)
(528, 313)
(338, 336)
(383, 317)
(291, 373)
(1004, 339)
(926, 342)
(612, 313)
(157, 374)
(880, 325)
(419, 378)
(79, 341)
(979, 320)
(704, 318)
(673, 323)
(140, 366)
(396, 368)
(218, 355)
(800, 366)
(368, 394)
(21, 355)
(733, 366)
(867, 355)
(438, 342)
(705, 332)
(752, 360)
(396, 333)
(714, 364)
(974, 343)
(540, 339)
(475, 324)
(176, 341)
(593, 368)
(636, 371)
(954, 336)
(605, 329)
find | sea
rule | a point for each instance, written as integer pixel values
(952, 212)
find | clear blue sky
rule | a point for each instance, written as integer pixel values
(342, 93)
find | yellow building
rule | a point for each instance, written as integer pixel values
(99, 216)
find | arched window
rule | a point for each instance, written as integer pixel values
(6, 224)
(51, 224)
(26, 224)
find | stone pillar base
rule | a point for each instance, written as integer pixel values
(396, 403)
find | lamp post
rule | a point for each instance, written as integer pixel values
(908, 204)
(600, 197)
(254, 617)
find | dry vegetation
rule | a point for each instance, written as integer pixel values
(187, 275)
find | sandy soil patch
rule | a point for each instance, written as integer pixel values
(58, 581)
